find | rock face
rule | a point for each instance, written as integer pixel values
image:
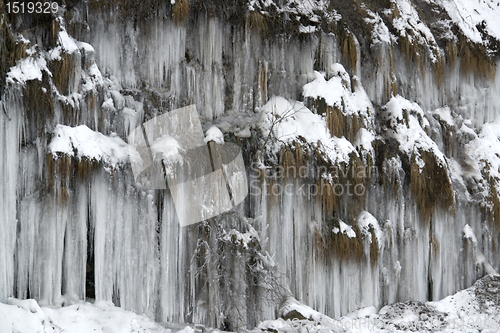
(373, 177)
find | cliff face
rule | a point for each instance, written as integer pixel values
(373, 178)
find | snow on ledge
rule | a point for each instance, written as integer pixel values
(345, 229)
(291, 120)
(365, 220)
(27, 69)
(81, 142)
(337, 91)
(214, 134)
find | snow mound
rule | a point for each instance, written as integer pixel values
(214, 134)
(293, 309)
(485, 150)
(26, 316)
(469, 14)
(291, 121)
(338, 93)
(27, 69)
(474, 310)
(366, 221)
(82, 142)
(406, 123)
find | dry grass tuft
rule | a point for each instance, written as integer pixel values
(330, 245)
(496, 204)
(337, 122)
(181, 11)
(256, 21)
(475, 59)
(64, 72)
(440, 70)
(431, 187)
(374, 248)
(451, 53)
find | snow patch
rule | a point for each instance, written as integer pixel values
(406, 124)
(468, 14)
(81, 142)
(345, 229)
(27, 316)
(365, 220)
(214, 134)
(290, 120)
(27, 69)
(337, 91)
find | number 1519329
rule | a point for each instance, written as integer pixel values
(39, 7)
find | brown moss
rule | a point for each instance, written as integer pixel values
(63, 72)
(451, 53)
(256, 21)
(181, 11)
(38, 108)
(330, 201)
(394, 12)
(430, 186)
(475, 59)
(496, 204)
(10, 51)
(60, 172)
(440, 70)
(339, 124)
(374, 248)
(330, 245)
(84, 167)
(349, 47)
(413, 52)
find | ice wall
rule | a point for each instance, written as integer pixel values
(75, 228)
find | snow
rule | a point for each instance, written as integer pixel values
(362, 313)
(108, 104)
(407, 123)
(85, 46)
(214, 134)
(290, 120)
(470, 13)
(345, 229)
(81, 142)
(68, 43)
(27, 69)
(307, 29)
(468, 233)
(26, 316)
(307, 9)
(380, 33)
(474, 309)
(470, 310)
(409, 24)
(337, 91)
(93, 79)
(485, 149)
(364, 139)
(168, 149)
(365, 220)
(445, 115)
(291, 304)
